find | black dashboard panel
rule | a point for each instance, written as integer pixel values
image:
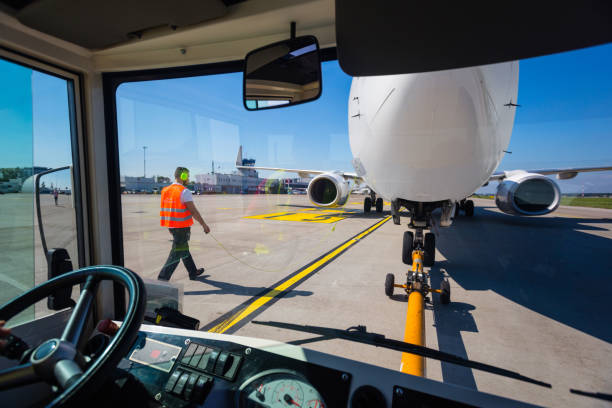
(407, 398)
(178, 371)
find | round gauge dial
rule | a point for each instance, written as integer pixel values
(279, 388)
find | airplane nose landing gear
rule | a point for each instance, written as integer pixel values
(419, 241)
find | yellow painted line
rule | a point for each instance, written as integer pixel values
(321, 216)
(259, 302)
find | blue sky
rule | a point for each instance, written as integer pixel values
(565, 120)
(35, 126)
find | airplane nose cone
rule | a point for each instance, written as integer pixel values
(427, 137)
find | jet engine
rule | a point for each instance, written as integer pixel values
(523, 193)
(328, 190)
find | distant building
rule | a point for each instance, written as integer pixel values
(141, 184)
(235, 183)
(26, 172)
(13, 178)
(11, 186)
(298, 183)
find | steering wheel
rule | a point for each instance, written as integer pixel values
(59, 361)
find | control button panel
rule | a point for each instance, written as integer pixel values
(211, 360)
(189, 385)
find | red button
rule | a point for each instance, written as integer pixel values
(155, 354)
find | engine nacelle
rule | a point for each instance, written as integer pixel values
(328, 190)
(525, 193)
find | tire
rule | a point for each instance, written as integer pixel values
(445, 295)
(429, 256)
(389, 282)
(457, 209)
(367, 204)
(379, 205)
(407, 247)
(469, 208)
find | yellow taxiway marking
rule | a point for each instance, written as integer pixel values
(313, 215)
(292, 280)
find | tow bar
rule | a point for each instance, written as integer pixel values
(416, 287)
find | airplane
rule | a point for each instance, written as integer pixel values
(325, 184)
(428, 141)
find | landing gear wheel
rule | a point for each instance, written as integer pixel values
(379, 205)
(457, 209)
(469, 208)
(429, 256)
(445, 295)
(389, 282)
(367, 204)
(407, 247)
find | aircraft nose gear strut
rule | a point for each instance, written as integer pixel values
(416, 287)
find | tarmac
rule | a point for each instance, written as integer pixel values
(528, 294)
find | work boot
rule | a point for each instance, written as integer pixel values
(198, 273)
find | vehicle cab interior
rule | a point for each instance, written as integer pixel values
(81, 329)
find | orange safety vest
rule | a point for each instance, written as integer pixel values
(174, 214)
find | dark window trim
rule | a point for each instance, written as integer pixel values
(77, 158)
(110, 82)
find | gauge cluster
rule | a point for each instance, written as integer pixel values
(279, 389)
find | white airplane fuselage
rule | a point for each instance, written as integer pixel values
(432, 136)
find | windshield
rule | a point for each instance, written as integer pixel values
(528, 293)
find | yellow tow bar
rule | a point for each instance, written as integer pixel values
(415, 321)
(417, 287)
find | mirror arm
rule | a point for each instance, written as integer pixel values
(293, 30)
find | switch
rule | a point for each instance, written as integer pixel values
(232, 367)
(172, 380)
(191, 382)
(222, 362)
(204, 359)
(189, 353)
(212, 359)
(202, 388)
(180, 384)
(196, 356)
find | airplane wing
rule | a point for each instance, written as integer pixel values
(562, 174)
(303, 172)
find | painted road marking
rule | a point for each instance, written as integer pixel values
(326, 216)
(233, 320)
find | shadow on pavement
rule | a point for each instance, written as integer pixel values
(450, 320)
(555, 266)
(225, 288)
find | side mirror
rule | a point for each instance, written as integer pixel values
(55, 214)
(282, 74)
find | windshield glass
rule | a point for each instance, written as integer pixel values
(37, 133)
(314, 247)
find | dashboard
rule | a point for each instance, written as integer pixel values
(179, 371)
(182, 368)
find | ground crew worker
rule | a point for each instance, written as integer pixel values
(177, 213)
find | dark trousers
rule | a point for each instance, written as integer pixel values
(180, 250)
